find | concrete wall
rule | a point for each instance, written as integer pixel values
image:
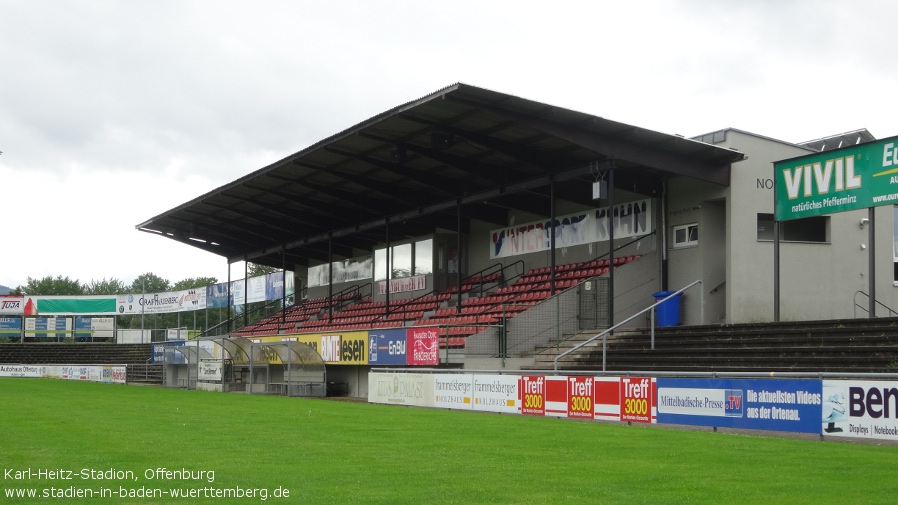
(818, 280)
(687, 203)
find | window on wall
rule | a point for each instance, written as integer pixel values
(405, 259)
(424, 257)
(380, 264)
(685, 235)
(808, 229)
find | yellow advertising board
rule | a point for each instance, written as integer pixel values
(336, 348)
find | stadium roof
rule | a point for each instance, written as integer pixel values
(841, 140)
(403, 173)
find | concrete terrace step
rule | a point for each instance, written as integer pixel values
(826, 346)
(67, 353)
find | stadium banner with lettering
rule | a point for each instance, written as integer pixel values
(630, 219)
(409, 389)
(162, 303)
(762, 404)
(495, 393)
(210, 370)
(275, 288)
(94, 327)
(238, 292)
(44, 327)
(335, 348)
(388, 347)
(348, 270)
(532, 395)
(255, 289)
(860, 409)
(453, 391)
(850, 178)
(217, 296)
(33, 371)
(638, 399)
(10, 326)
(403, 284)
(575, 397)
(424, 346)
(91, 373)
(12, 305)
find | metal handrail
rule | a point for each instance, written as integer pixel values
(651, 308)
(877, 302)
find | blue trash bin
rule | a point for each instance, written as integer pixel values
(668, 313)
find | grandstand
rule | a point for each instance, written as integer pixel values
(505, 229)
(488, 299)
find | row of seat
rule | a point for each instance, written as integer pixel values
(363, 313)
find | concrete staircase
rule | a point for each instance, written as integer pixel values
(849, 346)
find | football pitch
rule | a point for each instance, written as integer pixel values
(78, 442)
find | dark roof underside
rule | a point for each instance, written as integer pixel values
(412, 165)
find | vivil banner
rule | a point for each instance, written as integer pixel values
(763, 404)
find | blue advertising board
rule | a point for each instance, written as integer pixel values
(11, 327)
(11, 323)
(82, 327)
(217, 295)
(759, 404)
(387, 347)
(274, 286)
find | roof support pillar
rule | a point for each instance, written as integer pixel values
(330, 277)
(611, 244)
(245, 298)
(389, 262)
(230, 299)
(459, 276)
(552, 236)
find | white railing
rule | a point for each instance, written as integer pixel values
(604, 334)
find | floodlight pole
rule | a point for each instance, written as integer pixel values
(143, 291)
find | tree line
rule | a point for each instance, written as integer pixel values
(145, 283)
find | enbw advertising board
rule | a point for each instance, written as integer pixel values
(387, 347)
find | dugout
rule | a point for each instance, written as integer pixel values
(225, 364)
(180, 362)
(287, 368)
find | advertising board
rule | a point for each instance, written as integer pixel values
(766, 404)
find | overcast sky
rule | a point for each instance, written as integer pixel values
(114, 112)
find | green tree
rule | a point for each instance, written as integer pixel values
(150, 283)
(49, 286)
(256, 270)
(194, 282)
(112, 286)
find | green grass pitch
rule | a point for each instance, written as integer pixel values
(330, 452)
